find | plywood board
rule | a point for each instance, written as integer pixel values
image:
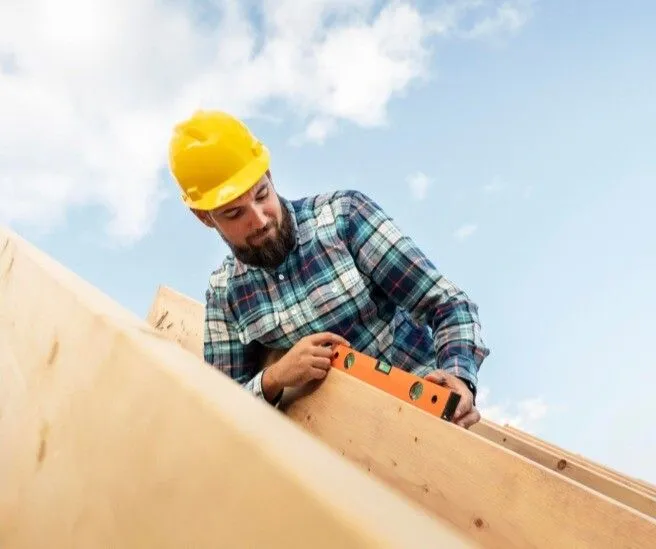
(113, 436)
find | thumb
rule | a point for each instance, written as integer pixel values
(438, 376)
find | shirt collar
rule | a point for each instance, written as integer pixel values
(292, 213)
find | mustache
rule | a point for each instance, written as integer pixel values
(270, 225)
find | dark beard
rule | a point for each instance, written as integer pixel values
(272, 251)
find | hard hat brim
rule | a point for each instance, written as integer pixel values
(234, 187)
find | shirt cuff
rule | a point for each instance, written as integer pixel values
(255, 386)
(463, 368)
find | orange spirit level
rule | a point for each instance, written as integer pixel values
(425, 394)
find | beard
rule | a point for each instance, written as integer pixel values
(273, 250)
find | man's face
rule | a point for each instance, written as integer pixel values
(255, 226)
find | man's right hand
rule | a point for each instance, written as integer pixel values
(306, 361)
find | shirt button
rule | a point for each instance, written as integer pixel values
(281, 276)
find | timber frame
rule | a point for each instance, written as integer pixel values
(114, 432)
(501, 487)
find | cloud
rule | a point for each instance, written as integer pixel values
(465, 231)
(505, 19)
(317, 131)
(89, 91)
(524, 414)
(418, 184)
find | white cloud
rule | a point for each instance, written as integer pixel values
(418, 184)
(509, 17)
(465, 231)
(316, 131)
(524, 414)
(89, 91)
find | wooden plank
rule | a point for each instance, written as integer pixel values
(113, 436)
(500, 497)
(179, 318)
(182, 321)
(577, 470)
(570, 458)
(504, 499)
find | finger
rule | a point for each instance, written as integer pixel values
(328, 338)
(321, 362)
(325, 352)
(464, 406)
(446, 380)
(438, 376)
(472, 417)
(318, 373)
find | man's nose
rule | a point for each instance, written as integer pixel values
(258, 218)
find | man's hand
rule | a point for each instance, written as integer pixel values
(466, 414)
(307, 360)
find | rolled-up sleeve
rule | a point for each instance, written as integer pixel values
(224, 350)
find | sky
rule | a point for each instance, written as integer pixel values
(512, 140)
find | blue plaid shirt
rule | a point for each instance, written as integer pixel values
(353, 273)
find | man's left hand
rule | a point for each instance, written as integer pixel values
(466, 413)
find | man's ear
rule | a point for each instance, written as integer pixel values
(203, 217)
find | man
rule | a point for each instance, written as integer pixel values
(310, 273)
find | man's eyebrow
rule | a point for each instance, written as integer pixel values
(259, 187)
(223, 211)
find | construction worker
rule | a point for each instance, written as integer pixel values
(306, 274)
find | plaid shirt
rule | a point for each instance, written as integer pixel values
(353, 273)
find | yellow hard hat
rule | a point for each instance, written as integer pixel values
(215, 158)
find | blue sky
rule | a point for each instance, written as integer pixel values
(511, 140)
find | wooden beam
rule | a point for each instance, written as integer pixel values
(569, 458)
(576, 469)
(113, 436)
(500, 497)
(179, 318)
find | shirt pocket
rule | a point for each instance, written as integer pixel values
(345, 292)
(259, 324)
